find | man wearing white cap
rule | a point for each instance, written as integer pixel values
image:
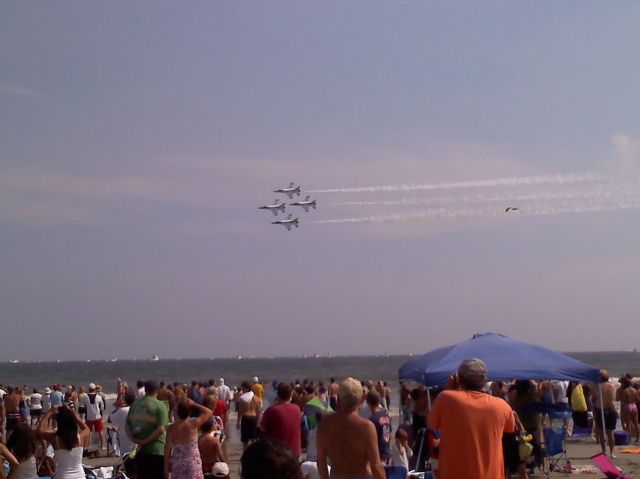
(224, 392)
(471, 425)
(95, 405)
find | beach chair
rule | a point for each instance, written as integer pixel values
(113, 441)
(219, 431)
(555, 450)
(422, 468)
(609, 469)
(396, 472)
(579, 433)
(421, 454)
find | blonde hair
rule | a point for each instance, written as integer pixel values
(350, 393)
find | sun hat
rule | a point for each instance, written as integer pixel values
(220, 469)
(47, 390)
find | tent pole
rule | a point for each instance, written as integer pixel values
(429, 398)
(603, 428)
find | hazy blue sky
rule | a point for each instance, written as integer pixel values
(138, 138)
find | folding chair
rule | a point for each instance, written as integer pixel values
(421, 469)
(396, 472)
(582, 432)
(608, 467)
(554, 448)
(113, 441)
(219, 432)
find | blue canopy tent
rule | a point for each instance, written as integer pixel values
(505, 359)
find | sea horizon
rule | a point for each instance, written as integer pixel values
(296, 356)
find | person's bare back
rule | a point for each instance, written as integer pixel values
(348, 441)
(629, 396)
(607, 401)
(210, 449)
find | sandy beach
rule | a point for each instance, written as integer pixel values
(579, 452)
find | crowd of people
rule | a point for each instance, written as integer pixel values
(302, 429)
(175, 429)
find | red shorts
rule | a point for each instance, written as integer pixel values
(97, 425)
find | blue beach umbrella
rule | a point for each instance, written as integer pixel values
(505, 359)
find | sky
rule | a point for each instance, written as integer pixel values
(137, 140)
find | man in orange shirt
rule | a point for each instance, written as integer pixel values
(471, 425)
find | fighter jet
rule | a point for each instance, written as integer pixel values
(305, 204)
(274, 208)
(511, 208)
(289, 191)
(287, 223)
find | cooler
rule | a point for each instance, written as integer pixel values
(621, 438)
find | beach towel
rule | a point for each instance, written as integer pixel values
(630, 451)
(246, 397)
(578, 402)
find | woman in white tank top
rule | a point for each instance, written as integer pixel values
(66, 441)
(22, 444)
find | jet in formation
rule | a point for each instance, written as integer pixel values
(274, 208)
(278, 206)
(511, 208)
(289, 191)
(305, 205)
(287, 223)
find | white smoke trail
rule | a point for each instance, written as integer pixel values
(593, 193)
(447, 213)
(526, 180)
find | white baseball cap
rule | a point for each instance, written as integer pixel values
(220, 469)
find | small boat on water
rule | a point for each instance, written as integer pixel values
(113, 360)
(154, 358)
(13, 361)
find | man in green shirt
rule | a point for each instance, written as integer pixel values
(146, 423)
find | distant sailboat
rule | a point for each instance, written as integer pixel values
(155, 358)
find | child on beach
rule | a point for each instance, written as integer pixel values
(401, 452)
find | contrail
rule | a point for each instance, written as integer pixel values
(595, 193)
(448, 213)
(526, 180)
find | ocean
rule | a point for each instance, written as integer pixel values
(41, 374)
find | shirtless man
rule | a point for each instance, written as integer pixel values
(333, 394)
(2, 394)
(605, 403)
(348, 440)
(249, 407)
(166, 395)
(12, 409)
(210, 447)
